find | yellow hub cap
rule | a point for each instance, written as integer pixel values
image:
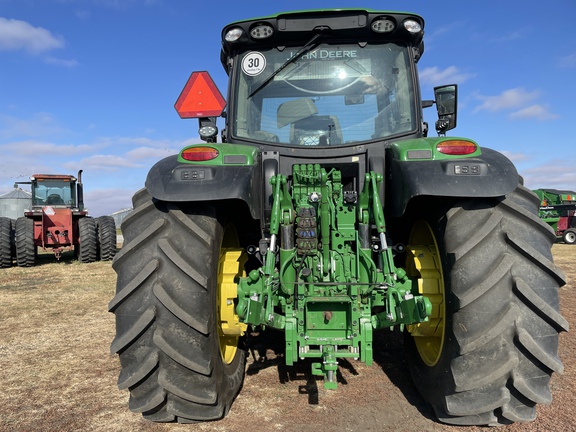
(230, 269)
(423, 262)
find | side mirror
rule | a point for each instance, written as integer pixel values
(446, 105)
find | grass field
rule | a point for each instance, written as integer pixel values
(58, 375)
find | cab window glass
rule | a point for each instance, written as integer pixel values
(332, 95)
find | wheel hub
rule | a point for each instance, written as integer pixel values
(230, 268)
(425, 265)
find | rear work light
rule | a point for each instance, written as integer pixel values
(456, 147)
(383, 25)
(261, 31)
(233, 34)
(412, 26)
(198, 154)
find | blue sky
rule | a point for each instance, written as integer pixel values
(91, 84)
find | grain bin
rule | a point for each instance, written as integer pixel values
(13, 203)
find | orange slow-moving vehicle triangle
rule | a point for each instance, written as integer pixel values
(200, 97)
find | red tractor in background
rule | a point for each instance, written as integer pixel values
(57, 220)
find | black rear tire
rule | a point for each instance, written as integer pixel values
(501, 313)
(6, 242)
(166, 318)
(26, 250)
(88, 242)
(107, 246)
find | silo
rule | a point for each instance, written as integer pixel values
(120, 215)
(13, 204)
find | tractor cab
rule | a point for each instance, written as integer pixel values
(53, 191)
(56, 190)
(344, 80)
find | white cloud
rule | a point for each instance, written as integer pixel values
(515, 156)
(450, 75)
(508, 99)
(140, 141)
(147, 148)
(568, 61)
(61, 62)
(439, 31)
(538, 112)
(39, 124)
(114, 4)
(552, 174)
(106, 163)
(143, 153)
(83, 14)
(510, 36)
(124, 4)
(42, 150)
(18, 35)
(106, 201)
(516, 100)
(114, 167)
(19, 169)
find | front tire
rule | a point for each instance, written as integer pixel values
(174, 358)
(26, 249)
(489, 357)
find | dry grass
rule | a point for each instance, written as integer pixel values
(53, 336)
(58, 375)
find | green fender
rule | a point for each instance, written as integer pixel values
(490, 174)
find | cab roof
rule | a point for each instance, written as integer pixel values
(53, 177)
(337, 25)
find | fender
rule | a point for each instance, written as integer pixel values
(172, 180)
(490, 174)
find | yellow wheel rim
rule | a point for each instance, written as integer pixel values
(230, 269)
(423, 263)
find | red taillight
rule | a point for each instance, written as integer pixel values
(197, 154)
(456, 147)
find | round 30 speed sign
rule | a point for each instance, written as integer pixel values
(253, 63)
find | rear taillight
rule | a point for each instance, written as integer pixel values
(456, 147)
(197, 154)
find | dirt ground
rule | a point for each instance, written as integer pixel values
(57, 373)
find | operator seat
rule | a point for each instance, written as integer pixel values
(54, 199)
(306, 127)
(316, 130)
(261, 135)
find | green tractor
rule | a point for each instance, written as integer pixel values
(324, 214)
(558, 209)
